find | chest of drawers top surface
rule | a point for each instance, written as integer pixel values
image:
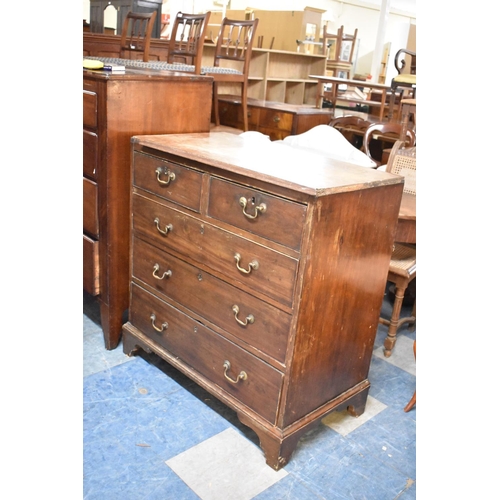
(300, 171)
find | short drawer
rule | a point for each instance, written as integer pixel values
(242, 315)
(90, 154)
(90, 266)
(89, 109)
(231, 114)
(270, 118)
(260, 213)
(90, 211)
(168, 180)
(241, 260)
(239, 373)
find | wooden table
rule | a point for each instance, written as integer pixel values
(406, 230)
(335, 81)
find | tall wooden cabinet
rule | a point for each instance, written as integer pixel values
(115, 107)
(259, 272)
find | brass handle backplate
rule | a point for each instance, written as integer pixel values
(170, 176)
(248, 320)
(168, 227)
(163, 327)
(258, 210)
(166, 274)
(253, 265)
(242, 375)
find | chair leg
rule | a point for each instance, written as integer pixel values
(244, 107)
(413, 400)
(215, 100)
(390, 340)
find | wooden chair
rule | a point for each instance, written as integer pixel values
(403, 265)
(413, 399)
(353, 128)
(340, 60)
(385, 130)
(187, 38)
(136, 34)
(233, 50)
(403, 82)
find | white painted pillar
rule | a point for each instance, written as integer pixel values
(379, 42)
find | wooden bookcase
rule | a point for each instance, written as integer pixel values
(278, 75)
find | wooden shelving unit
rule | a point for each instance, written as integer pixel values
(278, 75)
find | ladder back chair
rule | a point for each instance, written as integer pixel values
(340, 60)
(136, 34)
(403, 265)
(405, 80)
(233, 52)
(186, 40)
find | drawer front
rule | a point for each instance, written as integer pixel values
(270, 118)
(90, 211)
(280, 220)
(207, 352)
(255, 322)
(89, 109)
(260, 268)
(90, 154)
(231, 115)
(168, 180)
(90, 266)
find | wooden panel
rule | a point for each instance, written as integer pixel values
(213, 299)
(91, 266)
(90, 211)
(261, 388)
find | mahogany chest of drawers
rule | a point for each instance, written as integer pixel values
(116, 107)
(260, 273)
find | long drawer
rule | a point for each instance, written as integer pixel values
(244, 376)
(253, 321)
(90, 210)
(91, 266)
(90, 154)
(258, 267)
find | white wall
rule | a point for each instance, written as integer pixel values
(363, 15)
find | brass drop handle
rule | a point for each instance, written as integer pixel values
(164, 326)
(170, 176)
(241, 376)
(166, 274)
(259, 209)
(248, 320)
(276, 119)
(253, 265)
(168, 227)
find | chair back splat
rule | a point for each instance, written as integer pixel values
(136, 34)
(187, 38)
(232, 60)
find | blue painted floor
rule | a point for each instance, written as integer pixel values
(150, 433)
